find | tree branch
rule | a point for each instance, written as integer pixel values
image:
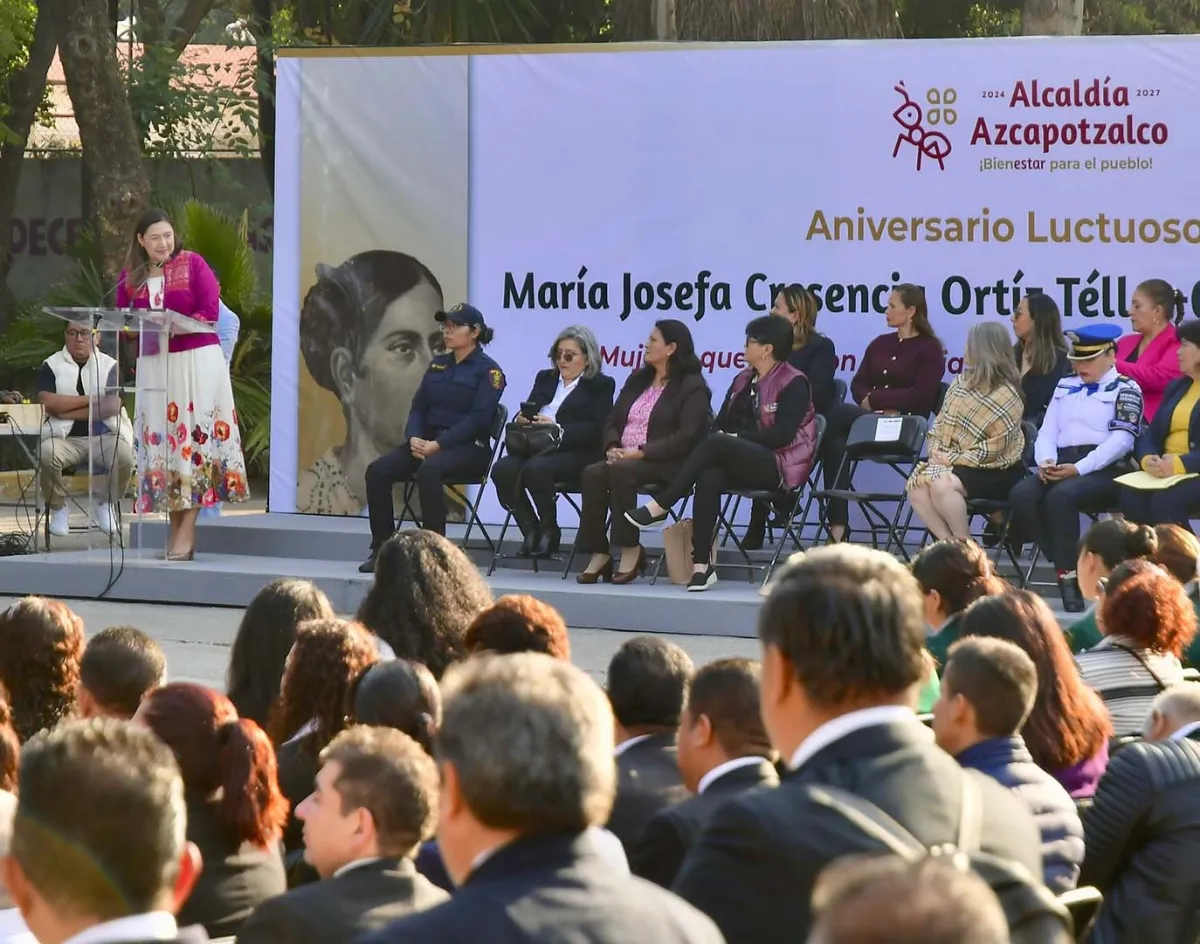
(187, 24)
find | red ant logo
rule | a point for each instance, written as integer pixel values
(931, 144)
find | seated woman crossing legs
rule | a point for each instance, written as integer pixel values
(764, 438)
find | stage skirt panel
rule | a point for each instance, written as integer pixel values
(189, 445)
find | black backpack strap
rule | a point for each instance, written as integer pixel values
(870, 819)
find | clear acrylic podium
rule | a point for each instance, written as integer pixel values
(137, 340)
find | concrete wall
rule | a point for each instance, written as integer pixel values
(50, 211)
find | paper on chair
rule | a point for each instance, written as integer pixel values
(1145, 482)
(888, 429)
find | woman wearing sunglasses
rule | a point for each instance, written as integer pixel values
(578, 397)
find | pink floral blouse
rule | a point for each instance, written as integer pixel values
(633, 436)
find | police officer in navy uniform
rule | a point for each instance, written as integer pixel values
(447, 438)
(1085, 442)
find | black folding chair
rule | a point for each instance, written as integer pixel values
(987, 507)
(893, 442)
(459, 489)
(943, 389)
(1083, 904)
(567, 490)
(841, 388)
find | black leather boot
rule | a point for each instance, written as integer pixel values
(529, 528)
(548, 541)
(756, 531)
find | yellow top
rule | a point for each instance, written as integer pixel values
(1177, 435)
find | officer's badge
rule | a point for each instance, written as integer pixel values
(497, 379)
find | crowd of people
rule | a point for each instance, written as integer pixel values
(436, 769)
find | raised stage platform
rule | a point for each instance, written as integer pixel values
(237, 554)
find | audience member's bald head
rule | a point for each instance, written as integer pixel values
(1174, 708)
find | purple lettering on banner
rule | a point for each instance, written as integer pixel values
(37, 236)
(16, 241)
(42, 236)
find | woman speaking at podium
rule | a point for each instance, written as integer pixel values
(190, 457)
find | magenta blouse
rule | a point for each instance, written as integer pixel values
(633, 436)
(189, 288)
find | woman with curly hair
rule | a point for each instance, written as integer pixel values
(425, 594)
(1179, 555)
(953, 574)
(235, 810)
(10, 748)
(1147, 621)
(41, 643)
(328, 655)
(1068, 730)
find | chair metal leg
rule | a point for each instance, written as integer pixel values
(500, 544)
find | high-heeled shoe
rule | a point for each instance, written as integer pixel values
(622, 577)
(177, 556)
(605, 574)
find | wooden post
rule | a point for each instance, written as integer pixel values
(664, 20)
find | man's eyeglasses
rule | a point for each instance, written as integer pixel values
(79, 333)
(565, 356)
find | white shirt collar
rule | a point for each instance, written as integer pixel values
(563, 385)
(722, 769)
(842, 725)
(626, 745)
(151, 926)
(1185, 731)
(357, 863)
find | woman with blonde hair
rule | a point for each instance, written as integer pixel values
(975, 444)
(813, 354)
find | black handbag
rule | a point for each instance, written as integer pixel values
(526, 440)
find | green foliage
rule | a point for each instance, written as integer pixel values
(1141, 17)
(17, 19)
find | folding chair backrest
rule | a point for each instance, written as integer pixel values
(498, 424)
(822, 425)
(1030, 429)
(843, 390)
(943, 389)
(882, 438)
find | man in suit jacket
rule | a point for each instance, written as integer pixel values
(723, 751)
(647, 683)
(375, 802)
(842, 634)
(526, 767)
(98, 841)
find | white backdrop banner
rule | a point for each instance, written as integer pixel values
(613, 186)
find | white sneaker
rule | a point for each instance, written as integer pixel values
(60, 521)
(106, 519)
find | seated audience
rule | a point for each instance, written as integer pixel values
(1084, 443)
(1143, 831)
(647, 683)
(263, 641)
(519, 623)
(1167, 446)
(952, 574)
(576, 395)
(118, 877)
(976, 440)
(425, 594)
(888, 900)
(660, 415)
(1149, 356)
(988, 690)
(1040, 352)
(399, 694)
(525, 753)
(41, 642)
(764, 437)
(1179, 555)
(120, 666)
(723, 751)
(235, 812)
(1106, 544)
(12, 925)
(327, 657)
(374, 801)
(1147, 621)
(900, 372)
(1068, 729)
(843, 654)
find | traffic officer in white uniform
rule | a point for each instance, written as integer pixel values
(1086, 440)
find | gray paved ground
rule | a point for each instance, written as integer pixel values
(196, 639)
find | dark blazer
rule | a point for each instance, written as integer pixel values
(582, 413)
(753, 868)
(553, 889)
(665, 840)
(647, 780)
(236, 878)
(1039, 388)
(817, 360)
(1143, 843)
(337, 910)
(680, 418)
(1153, 438)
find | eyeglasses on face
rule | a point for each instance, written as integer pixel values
(565, 356)
(79, 333)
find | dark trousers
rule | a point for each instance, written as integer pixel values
(613, 488)
(536, 479)
(718, 464)
(839, 420)
(1174, 505)
(455, 465)
(1049, 512)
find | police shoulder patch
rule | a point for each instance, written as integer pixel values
(1127, 411)
(497, 379)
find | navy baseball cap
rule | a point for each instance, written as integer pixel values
(1092, 341)
(462, 314)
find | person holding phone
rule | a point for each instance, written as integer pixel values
(1085, 442)
(575, 394)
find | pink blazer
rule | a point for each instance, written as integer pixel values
(1155, 369)
(190, 288)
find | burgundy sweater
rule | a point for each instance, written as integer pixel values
(902, 376)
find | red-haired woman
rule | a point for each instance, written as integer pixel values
(235, 811)
(41, 643)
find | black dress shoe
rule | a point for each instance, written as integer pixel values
(368, 566)
(528, 545)
(1068, 589)
(548, 542)
(641, 517)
